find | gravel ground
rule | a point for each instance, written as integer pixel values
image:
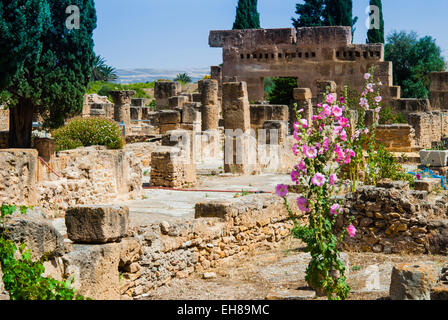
(278, 273)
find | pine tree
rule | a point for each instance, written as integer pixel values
(310, 14)
(52, 79)
(377, 35)
(340, 13)
(247, 16)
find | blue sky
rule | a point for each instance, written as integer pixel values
(173, 34)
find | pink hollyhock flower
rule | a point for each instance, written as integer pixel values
(370, 86)
(304, 123)
(342, 100)
(295, 176)
(377, 110)
(310, 152)
(351, 230)
(302, 203)
(326, 144)
(327, 110)
(296, 135)
(281, 190)
(339, 154)
(367, 76)
(295, 149)
(335, 209)
(343, 135)
(300, 111)
(330, 98)
(362, 102)
(337, 130)
(418, 176)
(378, 99)
(337, 112)
(366, 131)
(380, 83)
(332, 179)
(296, 125)
(318, 179)
(344, 122)
(302, 166)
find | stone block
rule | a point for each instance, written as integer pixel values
(46, 147)
(428, 184)
(39, 235)
(236, 106)
(169, 117)
(276, 131)
(412, 281)
(18, 172)
(95, 270)
(434, 158)
(177, 102)
(97, 224)
(302, 94)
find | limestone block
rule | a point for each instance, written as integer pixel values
(95, 270)
(39, 235)
(46, 148)
(97, 224)
(169, 117)
(412, 281)
(236, 106)
(434, 158)
(302, 94)
(18, 176)
(130, 251)
(275, 128)
(428, 184)
(177, 101)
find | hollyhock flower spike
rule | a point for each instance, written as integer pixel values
(335, 209)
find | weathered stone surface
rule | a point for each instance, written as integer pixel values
(412, 282)
(3, 294)
(18, 176)
(37, 233)
(428, 184)
(95, 270)
(97, 224)
(130, 251)
(286, 294)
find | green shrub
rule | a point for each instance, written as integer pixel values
(389, 116)
(83, 132)
(22, 277)
(103, 88)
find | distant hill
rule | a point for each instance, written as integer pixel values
(149, 75)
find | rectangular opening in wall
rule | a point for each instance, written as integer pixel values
(279, 55)
(307, 55)
(358, 54)
(337, 54)
(242, 56)
(279, 90)
(300, 54)
(266, 56)
(313, 54)
(365, 54)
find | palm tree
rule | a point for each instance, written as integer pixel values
(101, 71)
(183, 77)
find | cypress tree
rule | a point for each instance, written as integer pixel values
(340, 13)
(53, 78)
(377, 35)
(310, 14)
(247, 16)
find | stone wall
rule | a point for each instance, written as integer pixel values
(91, 175)
(18, 173)
(261, 113)
(4, 119)
(396, 137)
(308, 54)
(392, 219)
(164, 90)
(170, 167)
(439, 90)
(4, 135)
(429, 127)
(219, 230)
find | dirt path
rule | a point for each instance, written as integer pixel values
(278, 273)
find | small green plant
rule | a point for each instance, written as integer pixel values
(389, 116)
(83, 132)
(22, 277)
(356, 268)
